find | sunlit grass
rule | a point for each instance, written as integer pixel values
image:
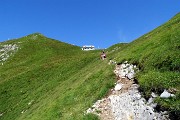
(157, 54)
(48, 79)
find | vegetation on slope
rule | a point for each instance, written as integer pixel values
(48, 79)
(158, 56)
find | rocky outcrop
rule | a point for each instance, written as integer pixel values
(6, 51)
(126, 70)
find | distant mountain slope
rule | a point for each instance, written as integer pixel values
(49, 79)
(157, 54)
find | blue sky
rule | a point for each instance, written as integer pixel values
(93, 22)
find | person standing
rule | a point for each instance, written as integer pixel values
(103, 55)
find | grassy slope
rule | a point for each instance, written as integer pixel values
(59, 80)
(158, 55)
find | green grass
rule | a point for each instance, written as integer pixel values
(59, 80)
(90, 117)
(157, 54)
(47, 79)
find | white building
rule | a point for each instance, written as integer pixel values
(88, 47)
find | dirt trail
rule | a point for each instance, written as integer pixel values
(103, 107)
(106, 110)
(126, 103)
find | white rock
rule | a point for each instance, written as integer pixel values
(130, 76)
(165, 94)
(122, 73)
(118, 87)
(1, 114)
(89, 110)
(126, 62)
(123, 65)
(123, 77)
(153, 105)
(150, 101)
(172, 95)
(94, 106)
(154, 95)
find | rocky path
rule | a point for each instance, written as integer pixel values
(124, 102)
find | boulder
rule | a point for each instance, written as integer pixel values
(166, 94)
(118, 87)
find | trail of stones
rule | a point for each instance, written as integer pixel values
(125, 102)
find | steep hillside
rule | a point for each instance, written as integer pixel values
(46, 79)
(42, 78)
(157, 54)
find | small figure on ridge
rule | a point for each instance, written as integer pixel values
(103, 55)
